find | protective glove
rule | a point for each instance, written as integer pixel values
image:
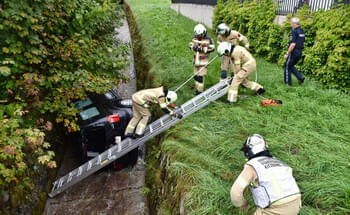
(179, 116)
(197, 49)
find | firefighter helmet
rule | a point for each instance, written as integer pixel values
(223, 29)
(224, 48)
(200, 30)
(171, 97)
(253, 145)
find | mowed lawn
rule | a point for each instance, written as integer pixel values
(310, 131)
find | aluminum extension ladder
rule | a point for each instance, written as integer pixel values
(125, 146)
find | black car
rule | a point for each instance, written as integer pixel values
(102, 118)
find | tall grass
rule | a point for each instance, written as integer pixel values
(310, 131)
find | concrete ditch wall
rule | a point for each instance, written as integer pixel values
(200, 13)
(205, 13)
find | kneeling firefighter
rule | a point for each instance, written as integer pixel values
(201, 45)
(225, 34)
(271, 181)
(141, 100)
(244, 67)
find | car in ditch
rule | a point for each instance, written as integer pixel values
(101, 119)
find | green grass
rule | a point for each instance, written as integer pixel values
(310, 131)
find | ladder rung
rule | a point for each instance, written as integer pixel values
(70, 176)
(89, 165)
(150, 129)
(80, 170)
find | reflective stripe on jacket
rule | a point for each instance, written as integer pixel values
(275, 181)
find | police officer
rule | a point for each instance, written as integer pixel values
(202, 45)
(295, 47)
(141, 100)
(225, 34)
(244, 66)
(270, 180)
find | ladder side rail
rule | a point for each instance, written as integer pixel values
(127, 145)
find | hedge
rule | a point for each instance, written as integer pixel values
(326, 56)
(52, 52)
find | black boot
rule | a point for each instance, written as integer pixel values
(260, 91)
(229, 103)
(130, 135)
(138, 136)
(197, 93)
(301, 81)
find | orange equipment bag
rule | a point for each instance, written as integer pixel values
(270, 102)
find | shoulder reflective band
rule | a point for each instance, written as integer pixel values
(237, 62)
(242, 182)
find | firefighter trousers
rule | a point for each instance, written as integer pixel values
(242, 77)
(139, 120)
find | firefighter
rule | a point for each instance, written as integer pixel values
(295, 47)
(244, 66)
(225, 34)
(270, 180)
(141, 100)
(202, 45)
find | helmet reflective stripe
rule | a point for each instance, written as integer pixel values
(224, 48)
(171, 97)
(200, 30)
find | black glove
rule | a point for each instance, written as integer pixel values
(179, 116)
(197, 49)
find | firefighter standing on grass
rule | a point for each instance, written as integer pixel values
(225, 34)
(244, 65)
(201, 45)
(141, 100)
(271, 181)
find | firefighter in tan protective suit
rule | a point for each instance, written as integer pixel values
(244, 66)
(225, 34)
(141, 100)
(201, 45)
(271, 182)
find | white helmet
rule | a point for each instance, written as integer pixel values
(224, 48)
(223, 29)
(200, 30)
(171, 97)
(254, 145)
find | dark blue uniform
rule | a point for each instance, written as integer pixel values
(297, 37)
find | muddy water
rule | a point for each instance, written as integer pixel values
(108, 191)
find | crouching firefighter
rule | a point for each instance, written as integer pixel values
(201, 45)
(225, 34)
(244, 67)
(270, 180)
(141, 101)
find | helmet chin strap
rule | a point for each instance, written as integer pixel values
(263, 153)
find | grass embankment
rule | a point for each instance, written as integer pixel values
(310, 131)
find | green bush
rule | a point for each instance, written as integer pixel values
(327, 46)
(52, 52)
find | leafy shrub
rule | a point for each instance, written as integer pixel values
(51, 53)
(327, 45)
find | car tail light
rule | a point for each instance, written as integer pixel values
(118, 166)
(113, 118)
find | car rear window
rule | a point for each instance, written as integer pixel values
(89, 113)
(82, 104)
